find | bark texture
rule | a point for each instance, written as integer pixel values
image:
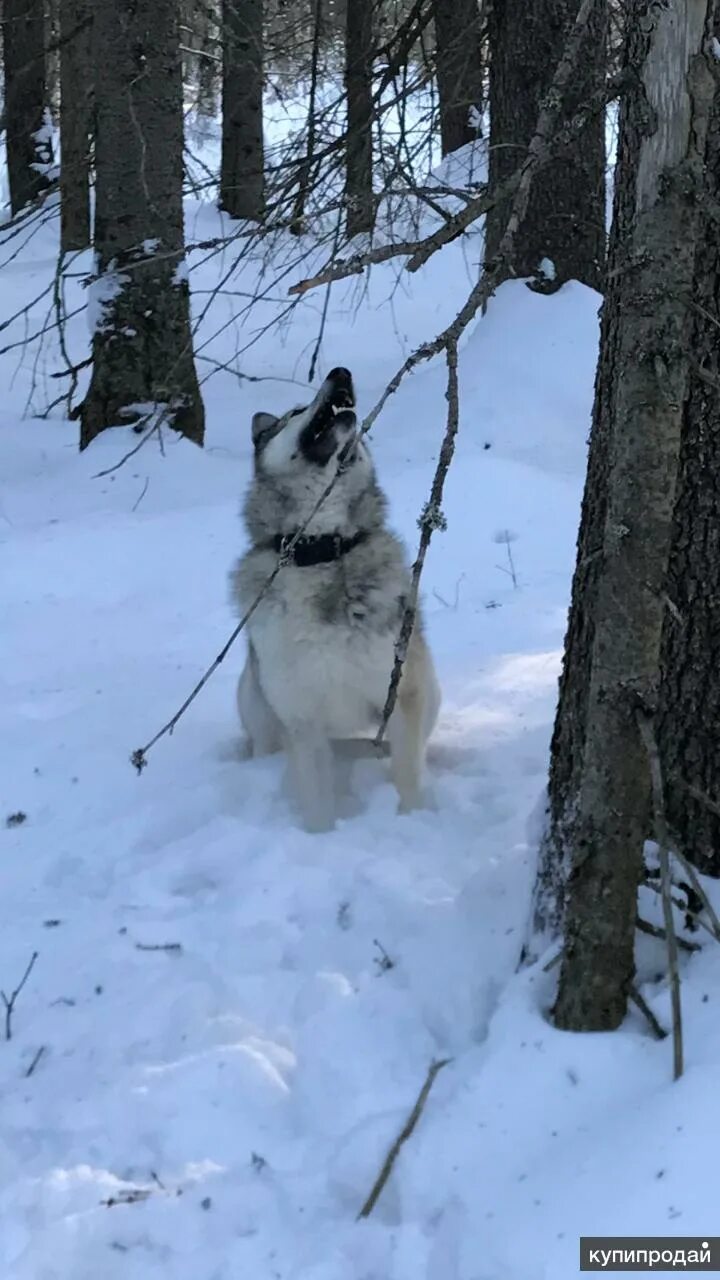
(29, 152)
(358, 89)
(565, 221)
(599, 783)
(690, 692)
(75, 121)
(242, 187)
(142, 346)
(459, 72)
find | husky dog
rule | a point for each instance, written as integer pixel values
(321, 642)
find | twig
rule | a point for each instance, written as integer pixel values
(31, 1069)
(9, 1001)
(158, 946)
(326, 304)
(155, 428)
(136, 504)
(431, 519)
(694, 879)
(701, 796)
(685, 909)
(647, 732)
(652, 930)
(402, 1137)
(656, 1027)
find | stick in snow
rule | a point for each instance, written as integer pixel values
(9, 1001)
(402, 1137)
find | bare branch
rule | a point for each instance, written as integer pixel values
(653, 931)
(430, 520)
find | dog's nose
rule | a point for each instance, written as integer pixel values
(342, 392)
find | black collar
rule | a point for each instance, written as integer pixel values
(322, 549)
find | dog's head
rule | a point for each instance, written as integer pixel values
(299, 454)
(315, 436)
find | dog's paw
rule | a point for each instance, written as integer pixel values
(423, 802)
(234, 750)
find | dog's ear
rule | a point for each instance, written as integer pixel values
(262, 425)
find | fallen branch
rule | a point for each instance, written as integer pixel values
(402, 1138)
(9, 1001)
(158, 946)
(647, 732)
(656, 1027)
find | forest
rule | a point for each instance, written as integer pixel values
(360, 376)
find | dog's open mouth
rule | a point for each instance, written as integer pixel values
(333, 419)
(339, 384)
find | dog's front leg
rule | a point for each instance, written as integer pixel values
(259, 721)
(312, 777)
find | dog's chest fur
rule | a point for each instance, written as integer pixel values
(324, 635)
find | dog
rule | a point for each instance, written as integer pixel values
(321, 639)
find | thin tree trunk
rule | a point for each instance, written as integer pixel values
(75, 121)
(689, 714)
(297, 224)
(143, 367)
(52, 59)
(563, 234)
(641, 385)
(242, 186)
(459, 72)
(358, 88)
(29, 148)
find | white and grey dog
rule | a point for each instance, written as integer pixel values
(321, 642)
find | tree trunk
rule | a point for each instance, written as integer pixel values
(459, 72)
(690, 691)
(143, 367)
(358, 88)
(242, 187)
(75, 119)
(29, 148)
(563, 234)
(641, 386)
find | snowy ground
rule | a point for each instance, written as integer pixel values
(234, 1018)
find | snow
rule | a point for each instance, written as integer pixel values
(103, 289)
(235, 1017)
